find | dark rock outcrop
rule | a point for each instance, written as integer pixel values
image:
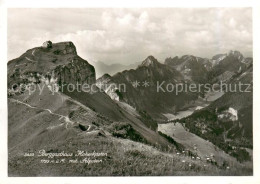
(59, 61)
(192, 68)
(145, 96)
(223, 64)
(47, 44)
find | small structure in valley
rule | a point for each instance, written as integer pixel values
(47, 44)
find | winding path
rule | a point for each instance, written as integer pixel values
(66, 118)
(30, 59)
(20, 64)
(33, 52)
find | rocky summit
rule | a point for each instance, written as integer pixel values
(138, 129)
(57, 59)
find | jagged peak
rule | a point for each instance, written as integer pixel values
(106, 75)
(188, 56)
(106, 78)
(171, 60)
(150, 61)
(235, 53)
(176, 57)
(229, 53)
(217, 56)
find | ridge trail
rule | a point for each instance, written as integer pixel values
(66, 118)
(30, 59)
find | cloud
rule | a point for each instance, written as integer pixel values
(125, 20)
(129, 35)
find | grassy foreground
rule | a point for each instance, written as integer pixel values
(124, 158)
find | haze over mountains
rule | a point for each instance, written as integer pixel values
(56, 119)
(186, 69)
(102, 68)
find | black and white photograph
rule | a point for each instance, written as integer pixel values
(130, 91)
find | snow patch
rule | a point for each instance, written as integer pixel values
(228, 115)
(217, 61)
(198, 108)
(234, 113)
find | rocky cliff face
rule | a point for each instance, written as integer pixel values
(59, 61)
(141, 88)
(220, 67)
(192, 68)
(227, 122)
(227, 65)
(76, 71)
(107, 84)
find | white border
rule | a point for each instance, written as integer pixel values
(126, 3)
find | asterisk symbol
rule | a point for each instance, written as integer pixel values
(136, 84)
(145, 84)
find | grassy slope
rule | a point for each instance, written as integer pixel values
(37, 128)
(202, 147)
(101, 103)
(33, 129)
(125, 158)
(227, 135)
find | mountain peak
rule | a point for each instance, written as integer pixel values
(60, 58)
(188, 56)
(63, 47)
(150, 61)
(106, 76)
(235, 53)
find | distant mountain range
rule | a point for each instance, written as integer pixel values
(216, 122)
(146, 97)
(103, 68)
(186, 69)
(42, 115)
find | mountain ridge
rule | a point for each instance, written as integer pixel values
(72, 119)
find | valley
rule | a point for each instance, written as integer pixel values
(143, 132)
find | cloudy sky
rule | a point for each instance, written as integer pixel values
(129, 35)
